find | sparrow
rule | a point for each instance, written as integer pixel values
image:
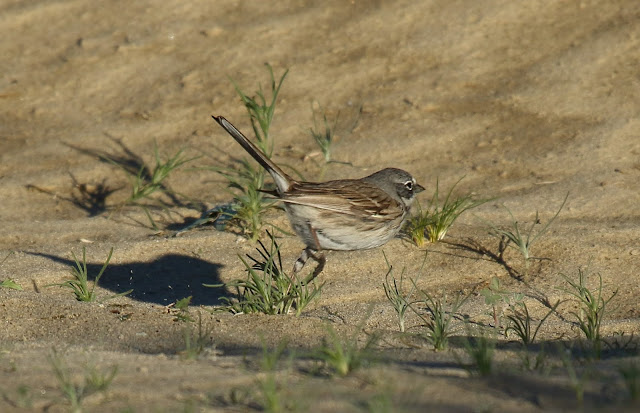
(344, 214)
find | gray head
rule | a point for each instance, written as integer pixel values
(397, 183)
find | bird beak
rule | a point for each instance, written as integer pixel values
(417, 188)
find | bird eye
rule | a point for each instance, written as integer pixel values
(409, 185)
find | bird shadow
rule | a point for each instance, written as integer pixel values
(162, 281)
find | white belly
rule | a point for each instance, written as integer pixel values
(333, 231)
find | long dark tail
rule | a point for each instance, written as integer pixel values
(282, 180)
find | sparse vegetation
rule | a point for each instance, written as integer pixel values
(432, 224)
(342, 354)
(196, 340)
(94, 381)
(577, 379)
(592, 307)
(630, 373)
(147, 181)
(271, 389)
(323, 138)
(523, 241)
(268, 289)
(380, 403)
(23, 398)
(480, 350)
(9, 283)
(260, 112)
(80, 282)
(271, 392)
(182, 309)
(249, 203)
(520, 322)
(536, 361)
(438, 318)
(394, 290)
(499, 299)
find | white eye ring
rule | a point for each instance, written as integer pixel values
(409, 185)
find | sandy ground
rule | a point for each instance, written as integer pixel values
(526, 100)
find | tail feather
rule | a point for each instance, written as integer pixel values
(281, 179)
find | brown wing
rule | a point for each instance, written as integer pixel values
(352, 197)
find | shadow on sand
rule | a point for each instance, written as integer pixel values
(162, 281)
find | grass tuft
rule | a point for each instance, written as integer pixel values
(11, 284)
(394, 290)
(273, 397)
(80, 282)
(249, 203)
(592, 307)
(323, 138)
(342, 354)
(196, 340)
(577, 379)
(260, 112)
(631, 375)
(432, 224)
(480, 350)
(520, 323)
(94, 381)
(523, 241)
(182, 310)
(268, 289)
(438, 318)
(147, 181)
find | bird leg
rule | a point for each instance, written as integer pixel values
(314, 253)
(317, 256)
